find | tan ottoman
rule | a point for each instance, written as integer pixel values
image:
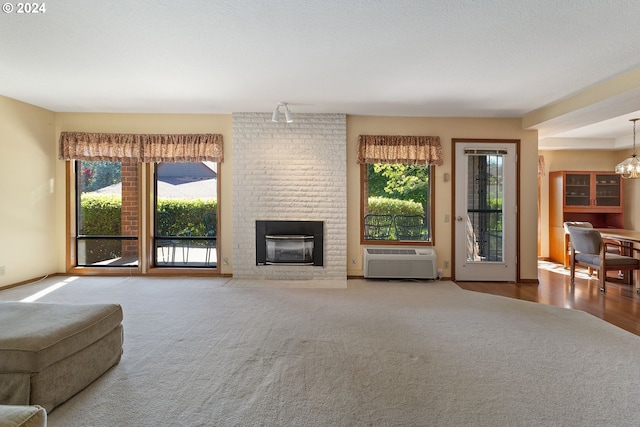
(49, 352)
(22, 416)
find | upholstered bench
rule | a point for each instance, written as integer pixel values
(49, 352)
(22, 416)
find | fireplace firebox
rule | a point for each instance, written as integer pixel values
(289, 243)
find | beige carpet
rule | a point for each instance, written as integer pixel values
(199, 352)
(297, 284)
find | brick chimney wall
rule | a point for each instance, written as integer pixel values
(289, 171)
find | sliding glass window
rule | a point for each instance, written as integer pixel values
(106, 214)
(186, 214)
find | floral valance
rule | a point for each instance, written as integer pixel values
(400, 149)
(141, 147)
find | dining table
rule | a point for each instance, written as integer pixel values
(622, 234)
(628, 239)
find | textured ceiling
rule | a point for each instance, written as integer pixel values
(469, 58)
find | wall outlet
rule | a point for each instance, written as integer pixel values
(2, 270)
(446, 264)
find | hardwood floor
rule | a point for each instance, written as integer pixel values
(620, 305)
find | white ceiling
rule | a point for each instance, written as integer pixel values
(463, 58)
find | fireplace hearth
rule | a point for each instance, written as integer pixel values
(289, 243)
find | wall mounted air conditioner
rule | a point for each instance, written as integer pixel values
(400, 263)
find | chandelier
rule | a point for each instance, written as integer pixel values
(630, 168)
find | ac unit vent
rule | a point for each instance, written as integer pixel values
(392, 251)
(396, 263)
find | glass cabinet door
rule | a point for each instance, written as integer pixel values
(578, 190)
(607, 190)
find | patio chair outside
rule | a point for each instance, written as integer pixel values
(377, 227)
(165, 234)
(211, 225)
(409, 227)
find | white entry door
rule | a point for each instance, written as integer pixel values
(485, 211)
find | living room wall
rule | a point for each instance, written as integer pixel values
(28, 186)
(33, 225)
(446, 129)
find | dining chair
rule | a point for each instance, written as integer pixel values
(567, 240)
(589, 249)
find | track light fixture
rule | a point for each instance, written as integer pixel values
(287, 114)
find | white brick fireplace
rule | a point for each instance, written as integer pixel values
(289, 172)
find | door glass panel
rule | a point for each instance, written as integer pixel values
(186, 214)
(484, 241)
(106, 228)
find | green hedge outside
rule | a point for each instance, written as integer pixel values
(188, 214)
(101, 215)
(386, 206)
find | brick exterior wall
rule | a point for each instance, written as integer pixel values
(289, 171)
(129, 173)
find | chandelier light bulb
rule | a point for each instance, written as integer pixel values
(630, 168)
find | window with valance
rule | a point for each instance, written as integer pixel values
(397, 187)
(183, 171)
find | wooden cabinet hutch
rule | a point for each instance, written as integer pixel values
(594, 197)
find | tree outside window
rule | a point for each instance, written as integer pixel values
(397, 202)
